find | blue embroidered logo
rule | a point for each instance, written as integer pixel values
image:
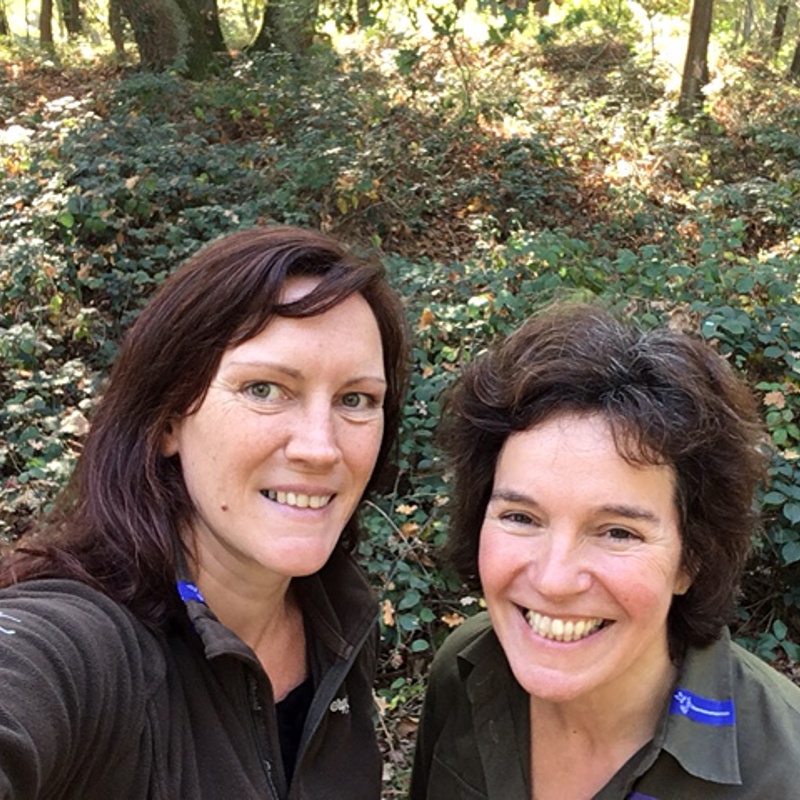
(188, 591)
(702, 709)
(640, 796)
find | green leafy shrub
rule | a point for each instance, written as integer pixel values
(494, 180)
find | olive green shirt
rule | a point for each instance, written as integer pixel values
(731, 730)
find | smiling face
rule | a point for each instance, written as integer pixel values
(580, 556)
(279, 452)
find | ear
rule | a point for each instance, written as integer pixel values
(683, 581)
(170, 443)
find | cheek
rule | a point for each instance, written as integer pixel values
(496, 562)
(362, 448)
(641, 598)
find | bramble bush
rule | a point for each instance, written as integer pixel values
(485, 203)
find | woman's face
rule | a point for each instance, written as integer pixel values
(279, 453)
(580, 556)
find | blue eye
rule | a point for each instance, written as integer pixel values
(263, 390)
(358, 400)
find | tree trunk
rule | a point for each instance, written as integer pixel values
(115, 26)
(46, 25)
(4, 29)
(159, 31)
(198, 51)
(776, 40)
(210, 15)
(794, 69)
(541, 8)
(288, 26)
(747, 27)
(71, 14)
(364, 14)
(695, 68)
(166, 30)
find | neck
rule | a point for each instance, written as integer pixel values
(265, 616)
(577, 746)
(610, 717)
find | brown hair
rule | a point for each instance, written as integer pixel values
(116, 525)
(669, 399)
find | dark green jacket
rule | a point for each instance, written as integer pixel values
(731, 731)
(93, 706)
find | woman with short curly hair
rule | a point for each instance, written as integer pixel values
(603, 487)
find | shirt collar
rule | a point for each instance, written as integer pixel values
(499, 715)
(698, 727)
(337, 602)
(703, 743)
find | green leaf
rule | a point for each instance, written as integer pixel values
(66, 219)
(410, 599)
(791, 552)
(792, 512)
(792, 650)
(774, 498)
(407, 622)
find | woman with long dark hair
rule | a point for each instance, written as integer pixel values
(189, 622)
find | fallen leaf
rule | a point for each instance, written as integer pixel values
(388, 613)
(776, 399)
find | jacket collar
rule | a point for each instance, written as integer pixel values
(699, 726)
(338, 606)
(499, 716)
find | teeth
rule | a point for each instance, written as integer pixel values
(561, 630)
(298, 500)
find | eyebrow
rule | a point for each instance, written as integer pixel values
(296, 373)
(616, 509)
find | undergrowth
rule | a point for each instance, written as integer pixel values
(492, 180)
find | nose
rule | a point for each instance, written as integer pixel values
(313, 438)
(558, 568)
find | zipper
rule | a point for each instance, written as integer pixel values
(260, 732)
(332, 679)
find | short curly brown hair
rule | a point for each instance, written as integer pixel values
(669, 399)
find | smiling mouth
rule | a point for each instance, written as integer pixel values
(560, 630)
(297, 499)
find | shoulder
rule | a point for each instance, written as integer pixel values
(43, 603)
(470, 631)
(75, 667)
(463, 642)
(767, 725)
(760, 689)
(69, 624)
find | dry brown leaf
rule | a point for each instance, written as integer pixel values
(426, 319)
(775, 398)
(388, 613)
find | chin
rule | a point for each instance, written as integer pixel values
(552, 686)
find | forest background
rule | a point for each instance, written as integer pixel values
(496, 156)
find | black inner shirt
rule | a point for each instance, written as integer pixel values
(292, 712)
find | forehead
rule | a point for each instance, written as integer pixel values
(296, 287)
(583, 449)
(342, 335)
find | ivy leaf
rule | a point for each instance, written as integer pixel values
(66, 220)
